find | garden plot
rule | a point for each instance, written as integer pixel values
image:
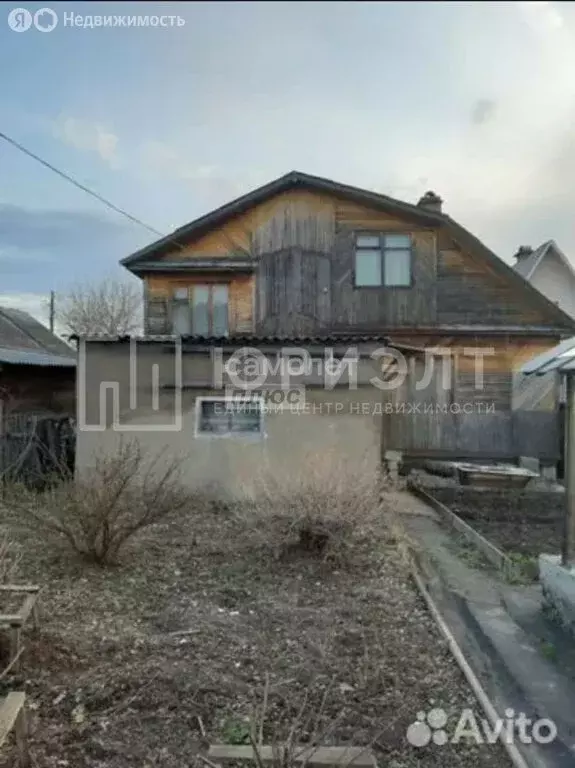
(144, 663)
(522, 523)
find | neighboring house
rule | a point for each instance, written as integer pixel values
(550, 271)
(37, 369)
(312, 263)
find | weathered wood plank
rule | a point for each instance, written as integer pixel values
(13, 716)
(19, 588)
(322, 757)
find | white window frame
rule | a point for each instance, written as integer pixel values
(249, 436)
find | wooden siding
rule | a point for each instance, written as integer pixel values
(470, 422)
(378, 308)
(311, 287)
(159, 290)
(503, 435)
(294, 292)
(470, 292)
(502, 357)
(297, 218)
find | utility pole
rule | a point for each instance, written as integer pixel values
(52, 310)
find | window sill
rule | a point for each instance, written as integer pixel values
(383, 287)
(244, 438)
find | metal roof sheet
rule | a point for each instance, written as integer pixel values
(558, 358)
(29, 357)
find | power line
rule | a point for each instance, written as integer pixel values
(73, 181)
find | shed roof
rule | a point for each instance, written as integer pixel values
(19, 330)
(29, 357)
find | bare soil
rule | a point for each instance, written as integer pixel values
(522, 522)
(132, 662)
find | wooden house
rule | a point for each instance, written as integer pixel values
(306, 257)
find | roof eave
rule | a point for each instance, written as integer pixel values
(195, 265)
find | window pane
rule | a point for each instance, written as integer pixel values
(367, 241)
(181, 294)
(398, 267)
(214, 417)
(367, 267)
(397, 241)
(181, 318)
(220, 310)
(200, 310)
(246, 417)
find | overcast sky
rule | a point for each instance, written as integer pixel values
(473, 100)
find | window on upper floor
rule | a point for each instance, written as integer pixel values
(201, 310)
(382, 260)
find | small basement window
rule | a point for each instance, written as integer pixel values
(227, 417)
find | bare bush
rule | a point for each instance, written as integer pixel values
(100, 511)
(321, 510)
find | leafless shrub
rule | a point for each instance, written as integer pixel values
(321, 510)
(101, 510)
(306, 727)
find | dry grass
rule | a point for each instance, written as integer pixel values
(10, 556)
(98, 513)
(146, 663)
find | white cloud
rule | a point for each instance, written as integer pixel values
(88, 137)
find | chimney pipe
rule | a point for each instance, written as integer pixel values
(523, 252)
(431, 202)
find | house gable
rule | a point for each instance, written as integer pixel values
(555, 278)
(287, 252)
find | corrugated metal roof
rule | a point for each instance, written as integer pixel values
(29, 357)
(36, 334)
(559, 358)
(243, 338)
(258, 340)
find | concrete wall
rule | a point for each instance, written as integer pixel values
(340, 422)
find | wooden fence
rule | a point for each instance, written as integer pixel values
(502, 435)
(36, 447)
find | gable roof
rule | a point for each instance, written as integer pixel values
(24, 340)
(527, 266)
(136, 262)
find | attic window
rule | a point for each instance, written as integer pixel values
(382, 260)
